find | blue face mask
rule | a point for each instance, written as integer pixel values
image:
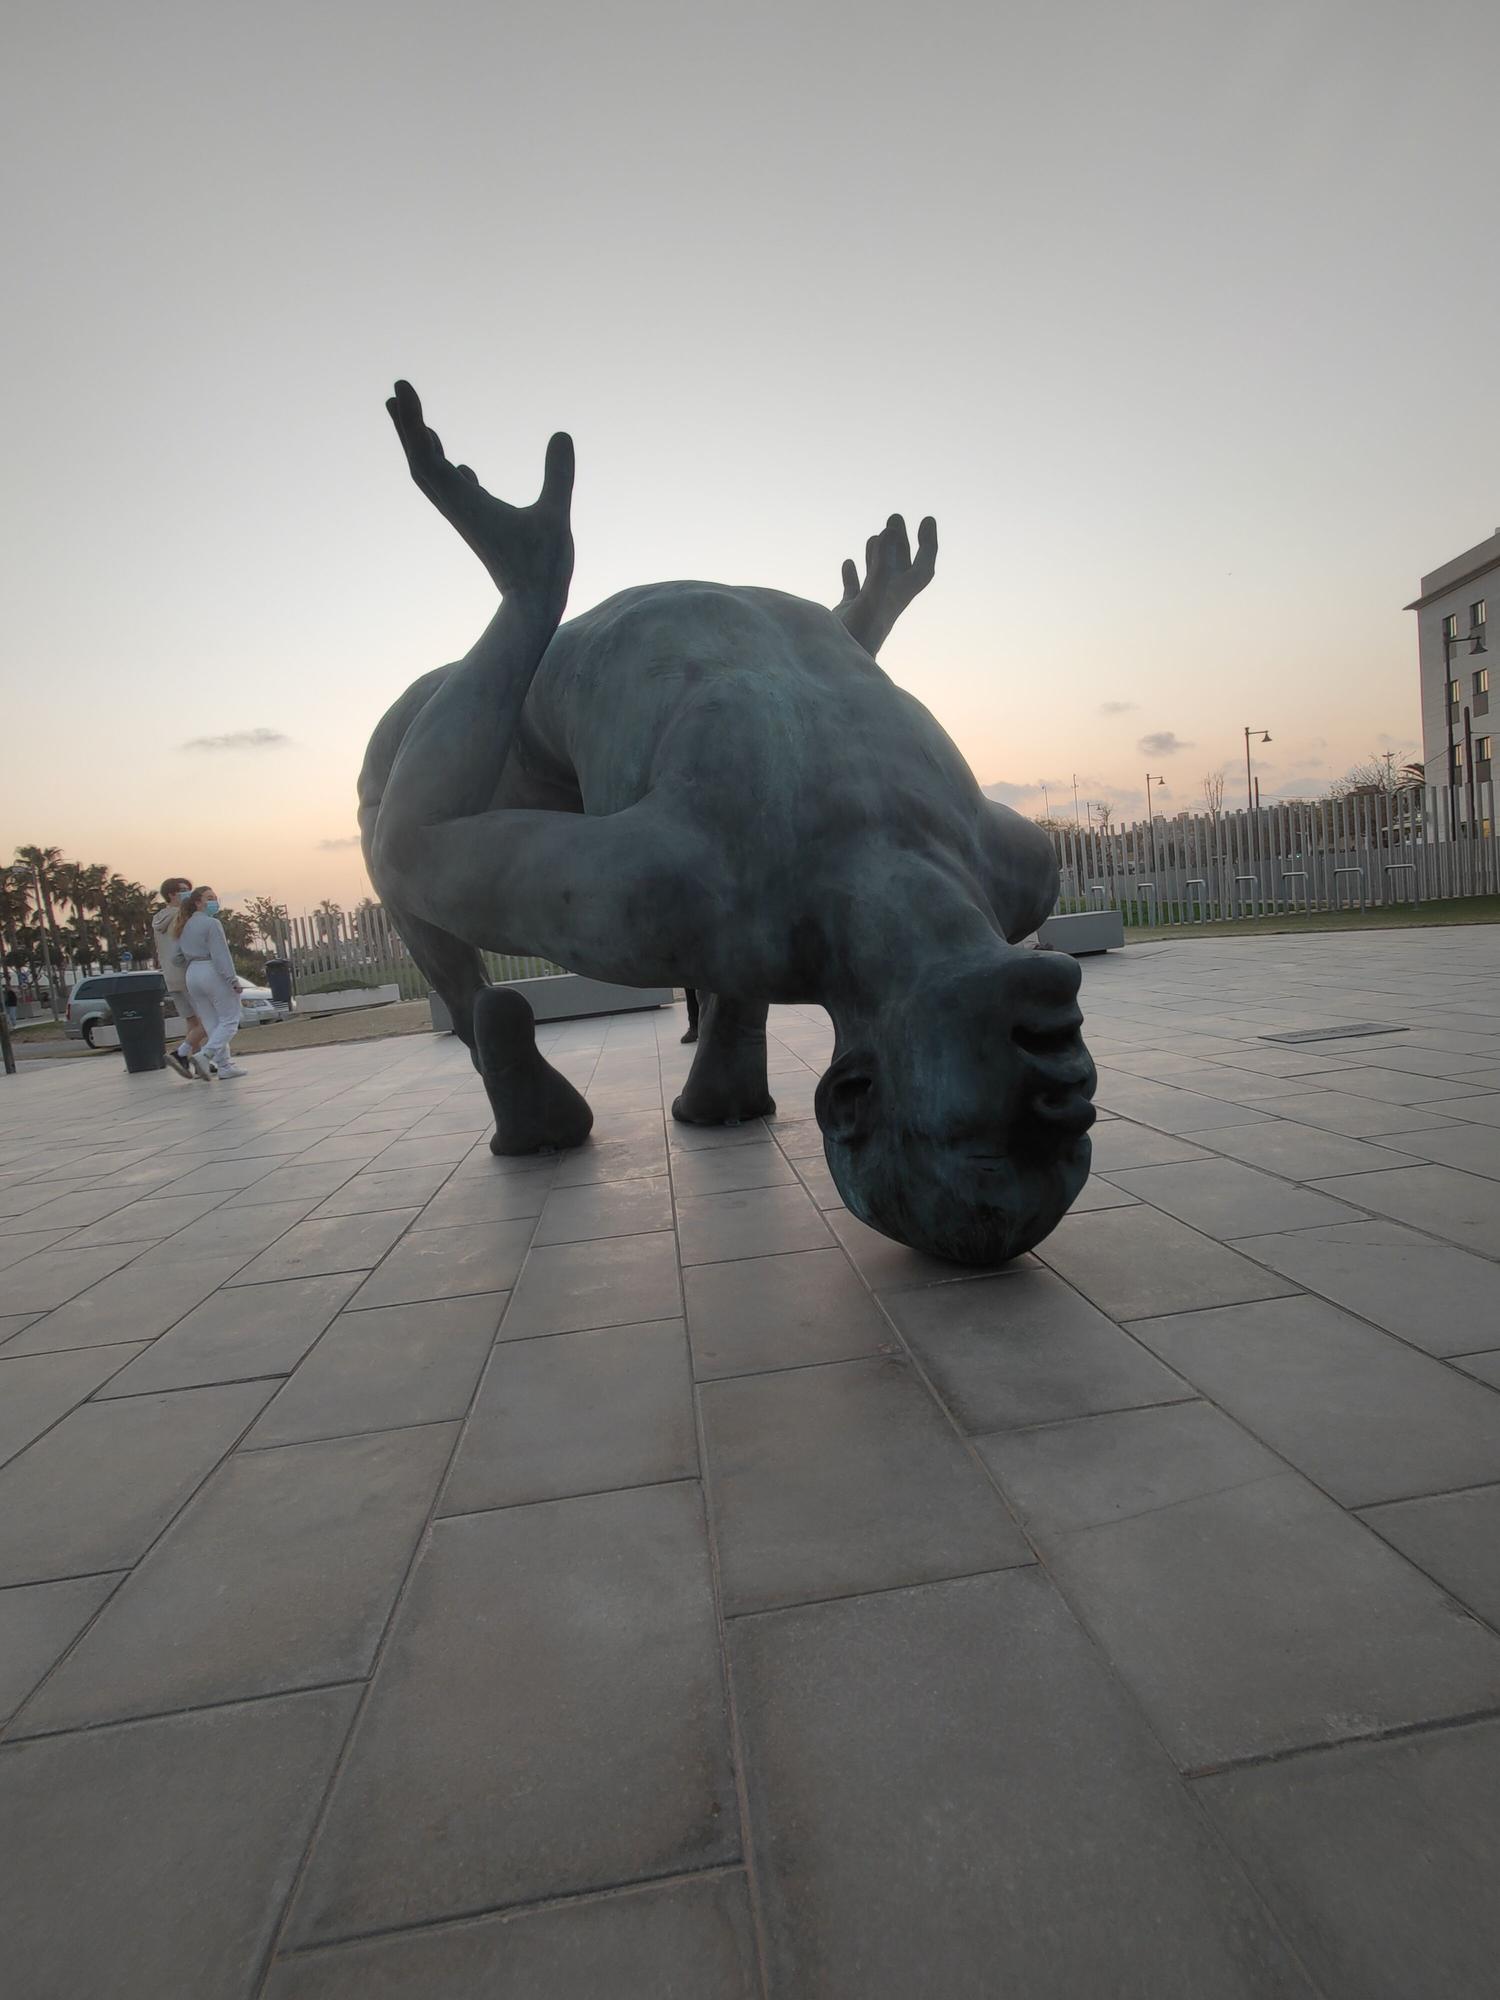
(211, 905)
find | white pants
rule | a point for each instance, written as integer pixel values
(217, 1006)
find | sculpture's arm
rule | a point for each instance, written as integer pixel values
(892, 579)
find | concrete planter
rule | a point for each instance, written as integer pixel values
(567, 996)
(1086, 932)
(311, 1004)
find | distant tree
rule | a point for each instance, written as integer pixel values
(1213, 794)
(1102, 813)
(328, 916)
(271, 920)
(1377, 775)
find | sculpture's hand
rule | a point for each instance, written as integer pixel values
(523, 548)
(893, 577)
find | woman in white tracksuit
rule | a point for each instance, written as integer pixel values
(212, 982)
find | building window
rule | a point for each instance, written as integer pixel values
(1482, 681)
(1476, 616)
(1481, 750)
(1454, 696)
(1457, 765)
(1450, 625)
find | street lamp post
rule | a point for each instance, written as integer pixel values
(1265, 737)
(1150, 823)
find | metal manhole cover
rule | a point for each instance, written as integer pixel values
(1334, 1033)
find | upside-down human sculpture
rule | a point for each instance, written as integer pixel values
(718, 787)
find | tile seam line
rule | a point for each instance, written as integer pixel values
(420, 1545)
(759, 1924)
(88, 1397)
(1402, 1732)
(107, 1722)
(469, 1919)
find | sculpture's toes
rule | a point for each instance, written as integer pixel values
(700, 1106)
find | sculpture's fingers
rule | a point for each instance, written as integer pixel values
(897, 547)
(872, 559)
(850, 574)
(468, 472)
(927, 548)
(557, 480)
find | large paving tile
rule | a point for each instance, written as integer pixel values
(578, 1413)
(38, 1622)
(480, 1201)
(435, 1149)
(100, 1486)
(568, 1287)
(12, 1324)
(833, 1480)
(1225, 1198)
(1247, 1613)
(1026, 1349)
(748, 1222)
(280, 1574)
(15, 1249)
(239, 1334)
(1455, 1538)
(230, 1231)
(1357, 1117)
(146, 1221)
(551, 1698)
(686, 1940)
(1378, 1860)
(780, 1312)
(406, 1187)
(1136, 1261)
(310, 1184)
(51, 1277)
(221, 1177)
(721, 1169)
(1168, 1108)
(606, 1208)
(62, 1210)
(1063, 1477)
(1303, 1152)
(385, 1369)
(470, 1258)
(339, 1243)
(37, 1389)
(1479, 1110)
(1386, 1086)
(1434, 1295)
(1462, 1208)
(153, 1860)
(610, 1157)
(1474, 1149)
(950, 1794)
(1356, 1410)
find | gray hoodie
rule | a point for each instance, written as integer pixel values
(203, 938)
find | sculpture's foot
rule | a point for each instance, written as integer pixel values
(536, 1110)
(727, 1083)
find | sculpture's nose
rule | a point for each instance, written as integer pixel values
(1045, 1023)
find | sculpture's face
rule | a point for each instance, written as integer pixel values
(958, 1124)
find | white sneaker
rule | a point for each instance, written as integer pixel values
(230, 1069)
(202, 1067)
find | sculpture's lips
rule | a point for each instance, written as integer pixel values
(1066, 1111)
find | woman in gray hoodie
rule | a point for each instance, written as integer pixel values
(213, 984)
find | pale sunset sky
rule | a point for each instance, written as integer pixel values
(1179, 317)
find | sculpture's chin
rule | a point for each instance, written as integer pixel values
(962, 1208)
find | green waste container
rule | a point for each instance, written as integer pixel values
(135, 1006)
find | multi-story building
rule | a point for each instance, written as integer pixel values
(1452, 621)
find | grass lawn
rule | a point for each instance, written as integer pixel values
(1394, 917)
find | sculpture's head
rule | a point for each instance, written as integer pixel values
(956, 1119)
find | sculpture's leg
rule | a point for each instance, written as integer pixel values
(727, 1082)
(536, 1109)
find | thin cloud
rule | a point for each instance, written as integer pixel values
(239, 739)
(1162, 743)
(1117, 707)
(343, 840)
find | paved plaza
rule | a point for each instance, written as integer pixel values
(626, 1577)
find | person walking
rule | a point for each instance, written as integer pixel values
(213, 985)
(12, 1005)
(174, 970)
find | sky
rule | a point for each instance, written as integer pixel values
(1180, 318)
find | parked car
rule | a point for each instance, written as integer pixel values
(88, 1009)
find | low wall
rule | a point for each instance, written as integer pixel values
(568, 996)
(312, 1004)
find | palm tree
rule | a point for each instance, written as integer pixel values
(42, 861)
(15, 910)
(271, 921)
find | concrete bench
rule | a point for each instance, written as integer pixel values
(1088, 932)
(567, 996)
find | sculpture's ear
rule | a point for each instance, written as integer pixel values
(844, 1100)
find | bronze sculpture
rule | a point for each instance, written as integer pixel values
(700, 785)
